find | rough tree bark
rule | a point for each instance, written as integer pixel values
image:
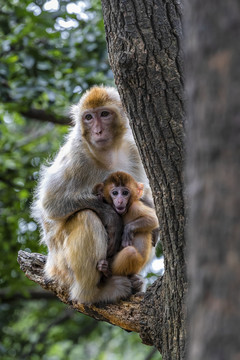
(144, 38)
(213, 83)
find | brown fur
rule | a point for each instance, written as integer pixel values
(98, 97)
(120, 178)
(139, 219)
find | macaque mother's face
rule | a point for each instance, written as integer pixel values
(98, 126)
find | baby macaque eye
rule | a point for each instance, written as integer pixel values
(115, 193)
(104, 113)
(88, 117)
(125, 192)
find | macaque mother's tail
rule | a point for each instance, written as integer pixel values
(110, 291)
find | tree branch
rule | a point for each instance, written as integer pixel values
(42, 115)
(33, 294)
(125, 314)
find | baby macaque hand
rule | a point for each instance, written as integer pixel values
(103, 267)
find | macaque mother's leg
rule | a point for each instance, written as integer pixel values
(84, 245)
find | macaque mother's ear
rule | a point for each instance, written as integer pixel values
(140, 188)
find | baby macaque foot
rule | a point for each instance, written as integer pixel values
(103, 267)
(137, 283)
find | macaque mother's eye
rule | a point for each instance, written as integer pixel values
(105, 113)
(88, 116)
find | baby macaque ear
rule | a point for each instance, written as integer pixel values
(140, 188)
(98, 189)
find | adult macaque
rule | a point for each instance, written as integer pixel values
(122, 192)
(99, 144)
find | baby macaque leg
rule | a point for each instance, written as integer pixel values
(127, 262)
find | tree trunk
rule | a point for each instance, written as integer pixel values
(213, 167)
(144, 49)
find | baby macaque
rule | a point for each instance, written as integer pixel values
(122, 192)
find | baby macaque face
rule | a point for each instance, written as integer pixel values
(120, 196)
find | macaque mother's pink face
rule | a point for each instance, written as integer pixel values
(98, 124)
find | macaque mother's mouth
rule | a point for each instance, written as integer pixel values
(101, 140)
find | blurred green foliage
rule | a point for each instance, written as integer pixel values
(48, 330)
(48, 57)
(51, 51)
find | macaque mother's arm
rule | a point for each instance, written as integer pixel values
(65, 190)
(60, 205)
(62, 202)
